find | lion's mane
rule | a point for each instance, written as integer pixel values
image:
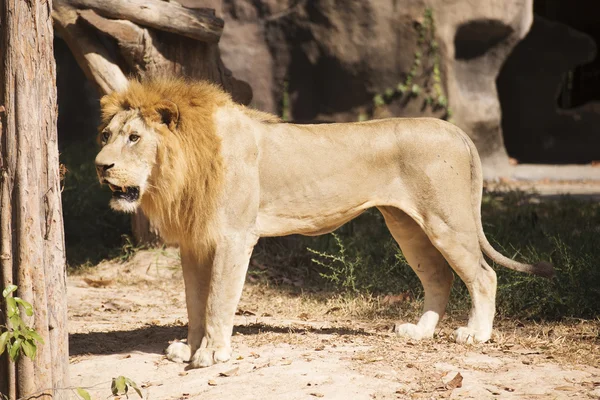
(181, 198)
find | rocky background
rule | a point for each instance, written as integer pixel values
(521, 77)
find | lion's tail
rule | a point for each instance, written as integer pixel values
(541, 268)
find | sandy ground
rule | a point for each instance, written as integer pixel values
(295, 346)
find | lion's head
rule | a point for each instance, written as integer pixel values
(127, 161)
(160, 152)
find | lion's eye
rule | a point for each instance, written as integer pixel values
(105, 136)
(134, 138)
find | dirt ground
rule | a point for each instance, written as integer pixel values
(290, 345)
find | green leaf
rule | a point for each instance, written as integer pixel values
(29, 348)
(3, 340)
(15, 322)
(15, 349)
(118, 386)
(134, 386)
(9, 289)
(27, 306)
(83, 394)
(402, 88)
(11, 307)
(34, 335)
(378, 100)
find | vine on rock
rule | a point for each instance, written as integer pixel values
(427, 48)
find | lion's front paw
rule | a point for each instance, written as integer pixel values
(209, 356)
(467, 335)
(412, 331)
(178, 352)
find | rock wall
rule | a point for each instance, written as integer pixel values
(336, 56)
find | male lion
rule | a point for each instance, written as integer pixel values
(214, 176)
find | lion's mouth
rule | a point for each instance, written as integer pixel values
(129, 193)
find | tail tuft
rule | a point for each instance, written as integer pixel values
(543, 269)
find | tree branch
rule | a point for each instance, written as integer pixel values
(199, 24)
(92, 57)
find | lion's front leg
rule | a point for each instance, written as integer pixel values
(227, 275)
(196, 277)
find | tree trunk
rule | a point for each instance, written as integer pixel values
(31, 228)
(196, 23)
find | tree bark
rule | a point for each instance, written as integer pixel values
(31, 226)
(199, 24)
(93, 58)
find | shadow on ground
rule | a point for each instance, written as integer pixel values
(154, 339)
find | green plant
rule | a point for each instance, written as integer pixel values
(340, 268)
(17, 337)
(119, 386)
(129, 248)
(285, 102)
(362, 257)
(425, 67)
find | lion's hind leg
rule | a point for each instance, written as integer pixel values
(429, 265)
(459, 244)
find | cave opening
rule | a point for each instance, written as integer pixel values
(549, 87)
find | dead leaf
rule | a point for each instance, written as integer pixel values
(455, 382)
(524, 352)
(239, 358)
(212, 382)
(317, 394)
(262, 366)
(231, 372)
(125, 356)
(244, 312)
(332, 309)
(98, 283)
(494, 392)
(320, 347)
(391, 299)
(566, 388)
(183, 373)
(304, 316)
(286, 362)
(110, 306)
(591, 384)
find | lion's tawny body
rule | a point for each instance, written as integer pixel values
(214, 176)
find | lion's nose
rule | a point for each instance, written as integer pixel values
(102, 168)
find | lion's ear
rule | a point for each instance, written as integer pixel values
(168, 113)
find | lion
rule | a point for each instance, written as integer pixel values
(214, 176)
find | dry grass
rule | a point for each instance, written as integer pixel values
(571, 341)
